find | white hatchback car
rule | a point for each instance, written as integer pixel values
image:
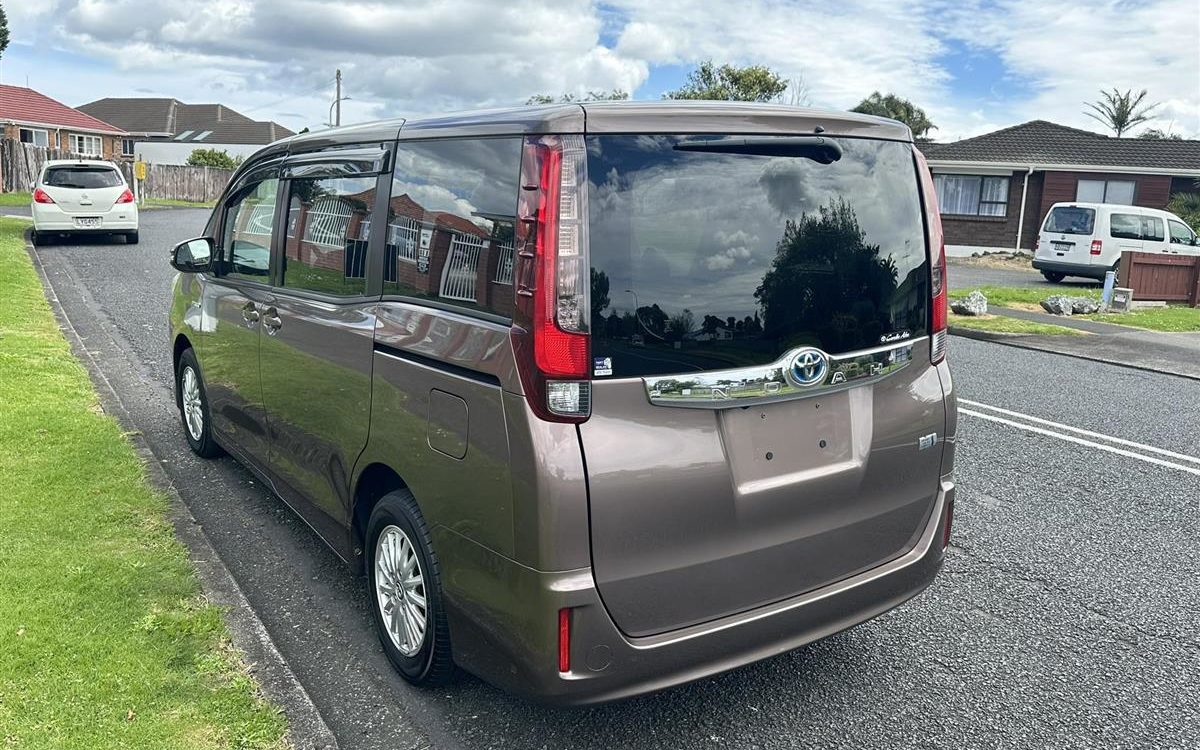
(83, 197)
(1087, 239)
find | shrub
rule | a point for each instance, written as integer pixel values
(211, 157)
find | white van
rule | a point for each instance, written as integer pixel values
(1087, 239)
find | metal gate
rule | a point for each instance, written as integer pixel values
(462, 267)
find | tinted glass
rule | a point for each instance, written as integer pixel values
(83, 178)
(328, 227)
(709, 260)
(1125, 226)
(1070, 220)
(450, 222)
(246, 241)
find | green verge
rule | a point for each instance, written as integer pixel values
(1171, 319)
(15, 199)
(1001, 324)
(105, 637)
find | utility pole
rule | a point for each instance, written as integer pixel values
(338, 99)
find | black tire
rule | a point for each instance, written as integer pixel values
(131, 238)
(203, 444)
(36, 238)
(431, 663)
(1054, 277)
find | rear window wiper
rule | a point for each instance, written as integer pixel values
(820, 150)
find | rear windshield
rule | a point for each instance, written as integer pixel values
(1070, 220)
(83, 178)
(714, 258)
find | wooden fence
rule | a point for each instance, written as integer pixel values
(1161, 277)
(21, 163)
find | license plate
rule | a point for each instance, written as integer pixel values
(1062, 247)
(87, 222)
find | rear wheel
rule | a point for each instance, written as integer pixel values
(405, 588)
(37, 238)
(131, 238)
(1054, 276)
(193, 407)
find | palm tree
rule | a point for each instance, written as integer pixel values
(1120, 111)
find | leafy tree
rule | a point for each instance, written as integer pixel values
(1158, 134)
(897, 109)
(591, 96)
(823, 263)
(599, 298)
(211, 157)
(3, 31)
(1119, 112)
(753, 83)
(680, 325)
(1187, 207)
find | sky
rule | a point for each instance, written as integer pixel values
(973, 65)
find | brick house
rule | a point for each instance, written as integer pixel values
(994, 190)
(27, 116)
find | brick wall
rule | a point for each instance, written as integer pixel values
(1150, 191)
(988, 231)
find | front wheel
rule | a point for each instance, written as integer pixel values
(1054, 276)
(405, 588)
(193, 407)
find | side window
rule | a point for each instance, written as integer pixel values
(328, 226)
(1180, 234)
(1126, 226)
(246, 239)
(1152, 229)
(450, 223)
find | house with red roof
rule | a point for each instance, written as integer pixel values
(31, 117)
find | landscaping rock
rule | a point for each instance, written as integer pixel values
(1058, 305)
(1084, 306)
(973, 304)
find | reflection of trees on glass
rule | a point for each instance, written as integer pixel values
(826, 279)
(599, 299)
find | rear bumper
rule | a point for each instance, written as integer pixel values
(122, 217)
(503, 623)
(1071, 269)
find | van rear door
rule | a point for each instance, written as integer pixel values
(765, 418)
(1067, 235)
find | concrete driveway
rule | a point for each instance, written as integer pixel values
(1068, 614)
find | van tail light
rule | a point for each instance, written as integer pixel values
(552, 280)
(564, 640)
(939, 315)
(40, 196)
(1037, 244)
(1097, 246)
(126, 197)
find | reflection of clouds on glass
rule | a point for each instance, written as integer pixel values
(715, 219)
(464, 177)
(435, 198)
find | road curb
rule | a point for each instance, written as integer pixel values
(1028, 341)
(307, 729)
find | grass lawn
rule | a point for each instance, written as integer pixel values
(105, 638)
(1171, 319)
(1001, 324)
(156, 202)
(15, 199)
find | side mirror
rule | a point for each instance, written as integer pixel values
(193, 256)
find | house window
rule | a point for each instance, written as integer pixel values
(86, 145)
(971, 195)
(126, 147)
(1105, 191)
(34, 137)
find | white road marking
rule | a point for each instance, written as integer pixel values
(1081, 441)
(1087, 433)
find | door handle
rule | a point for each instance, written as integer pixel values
(250, 314)
(271, 321)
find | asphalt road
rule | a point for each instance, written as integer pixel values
(1067, 614)
(966, 275)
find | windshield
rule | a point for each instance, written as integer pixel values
(83, 178)
(712, 258)
(1070, 220)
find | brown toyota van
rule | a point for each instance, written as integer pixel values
(602, 397)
